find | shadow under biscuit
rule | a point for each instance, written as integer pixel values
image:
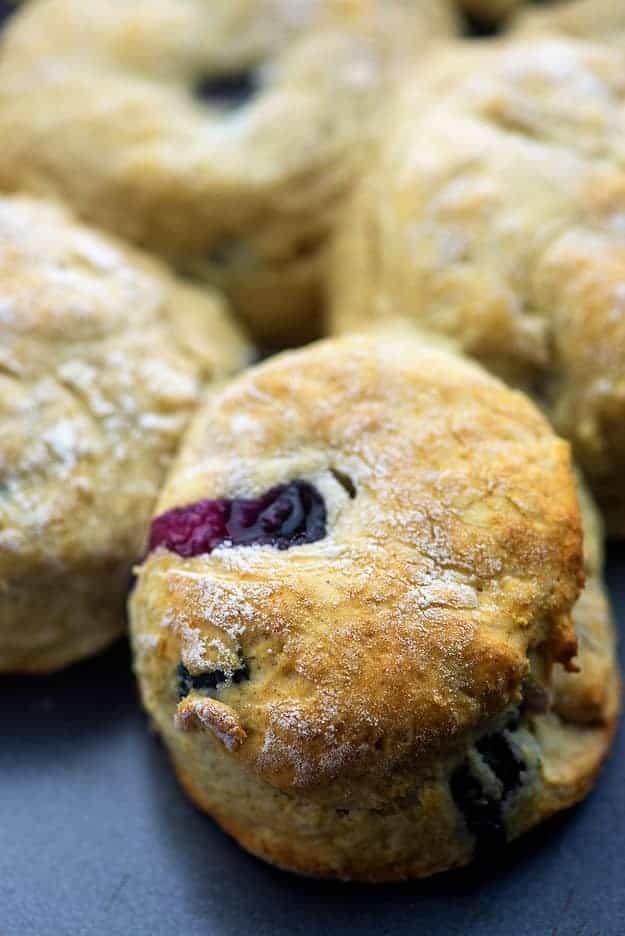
(51, 717)
(615, 574)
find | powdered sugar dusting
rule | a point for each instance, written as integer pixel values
(96, 387)
(365, 645)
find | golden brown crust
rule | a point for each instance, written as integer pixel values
(436, 849)
(591, 696)
(107, 119)
(103, 356)
(572, 754)
(437, 578)
(312, 859)
(493, 217)
(379, 655)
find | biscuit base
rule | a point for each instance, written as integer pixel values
(574, 756)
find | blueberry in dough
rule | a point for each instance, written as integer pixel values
(287, 515)
(212, 679)
(228, 92)
(481, 811)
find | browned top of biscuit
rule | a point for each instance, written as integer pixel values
(142, 154)
(103, 356)
(453, 548)
(494, 216)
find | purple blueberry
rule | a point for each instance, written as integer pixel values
(208, 681)
(482, 811)
(504, 759)
(287, 515)
(6, 10)
(228, 92)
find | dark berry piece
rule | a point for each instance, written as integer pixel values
(513, 719)
(227, 92)
(208, 681)
(478, 26)
(287, 515)
(536, 699)
(482, 813)
(505, 760)
(6, 10)
(191, 530)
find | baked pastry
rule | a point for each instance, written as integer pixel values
(494, 216)
(358, 586)
(599, 20)
(220, 135)
(103, 355)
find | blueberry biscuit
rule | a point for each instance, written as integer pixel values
(356, 607)
(494, 217)
(103, 355)
(220, 135)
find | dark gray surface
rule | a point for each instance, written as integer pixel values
(96, 838)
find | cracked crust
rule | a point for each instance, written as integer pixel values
(108, 121)
(379, 654)
(494, 217)
(103, 356)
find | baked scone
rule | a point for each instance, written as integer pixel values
(220, 135)
(103, 355)
(356, 598)
(494, 216)
(599, 20)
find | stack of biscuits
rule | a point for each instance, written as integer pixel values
(312, 369)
